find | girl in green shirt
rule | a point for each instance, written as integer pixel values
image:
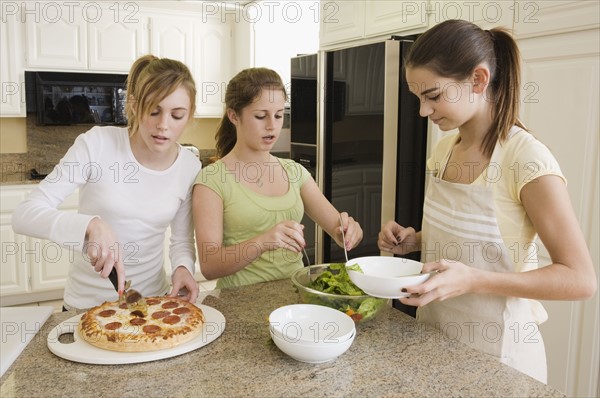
(248, 204)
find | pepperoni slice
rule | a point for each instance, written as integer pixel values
(170, 304)
(151, 328)
(137, 321)
(152, 301)
(171, 319)
(123, 306)
(181, 310)
(107, 313)
(113, 325)
(160, 314)
(137, 313)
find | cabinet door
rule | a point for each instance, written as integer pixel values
(117, 39)
(12, 102)
(486, 14)
(57, 38)
(212, 47)
(172, 37)
(560, 105)
(345, 193)
(31, 265)
(551, 17)
(14, 269)
(366, 95)
(341, 21)
(383, 16)
(49, 264)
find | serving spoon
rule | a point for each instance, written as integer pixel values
(343, 237)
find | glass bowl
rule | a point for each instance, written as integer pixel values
(360, 307)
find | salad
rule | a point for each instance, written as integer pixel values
(335, 280)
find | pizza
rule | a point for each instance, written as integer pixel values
(170, 322)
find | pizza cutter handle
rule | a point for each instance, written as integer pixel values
(114, 279)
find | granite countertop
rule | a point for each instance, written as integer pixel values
(392, 355)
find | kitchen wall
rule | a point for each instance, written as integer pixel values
(13, 135)
(201, 133)
(291, 29)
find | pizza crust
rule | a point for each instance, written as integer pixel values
(169, 323)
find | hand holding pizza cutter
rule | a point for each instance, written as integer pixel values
(134, 299)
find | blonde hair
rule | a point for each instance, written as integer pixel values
(152, 79)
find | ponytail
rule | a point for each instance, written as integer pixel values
(454, 48)
(506, 85)
(225, 136)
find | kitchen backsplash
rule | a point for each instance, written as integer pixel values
(46, 145)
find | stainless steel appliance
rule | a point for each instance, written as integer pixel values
(58, 98)
(303, 130)
(369, 146)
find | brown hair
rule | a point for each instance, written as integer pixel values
(152, 79)
(241, 91)
(454, 48)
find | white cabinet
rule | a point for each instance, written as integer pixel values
(172, 37)
(56, 38)
(341, 21)
(204, 45)
(84, 36)
(486, 14)
(14, 271)
(31, 269)
(117, 39)
(212, 65)
(559, 43)
(554, 17)
(12, 102)
(383, 17)
(347, 21)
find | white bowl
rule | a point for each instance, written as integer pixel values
(384, 276)
(310, 323)
(312, 353)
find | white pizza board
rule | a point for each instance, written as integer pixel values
(82, 351)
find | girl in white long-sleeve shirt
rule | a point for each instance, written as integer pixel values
(133, 183)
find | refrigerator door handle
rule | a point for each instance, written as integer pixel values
(390, 131)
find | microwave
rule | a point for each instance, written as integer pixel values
(61, 98)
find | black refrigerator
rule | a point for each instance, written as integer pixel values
(356, 124)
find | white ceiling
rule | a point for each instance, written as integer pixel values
(192, 5)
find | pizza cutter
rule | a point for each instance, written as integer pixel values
(134, 299)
